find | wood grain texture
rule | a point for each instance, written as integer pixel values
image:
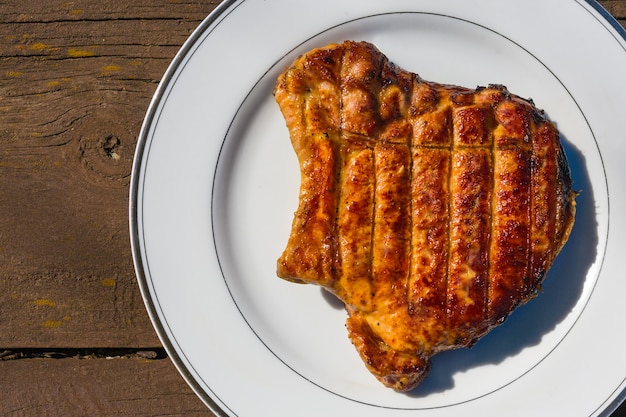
(135, 387)
(76, 79)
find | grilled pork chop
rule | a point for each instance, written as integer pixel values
(432, 211)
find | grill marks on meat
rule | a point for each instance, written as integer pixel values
(430, 210)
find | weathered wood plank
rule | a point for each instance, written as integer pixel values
(132, 387)
(77, 10)
(76, 79)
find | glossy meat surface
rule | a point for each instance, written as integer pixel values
(432, 211)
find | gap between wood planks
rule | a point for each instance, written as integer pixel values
(95, 353)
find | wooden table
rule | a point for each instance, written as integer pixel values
(76, 78)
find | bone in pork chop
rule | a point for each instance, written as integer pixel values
(432, 211)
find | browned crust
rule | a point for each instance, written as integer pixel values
(431, 210)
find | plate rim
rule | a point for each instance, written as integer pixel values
(221, 10)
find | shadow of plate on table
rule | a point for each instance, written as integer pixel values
(560, 293)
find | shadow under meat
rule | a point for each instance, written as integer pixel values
(527, 325)
(561, 290)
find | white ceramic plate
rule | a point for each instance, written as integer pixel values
(215, 185)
